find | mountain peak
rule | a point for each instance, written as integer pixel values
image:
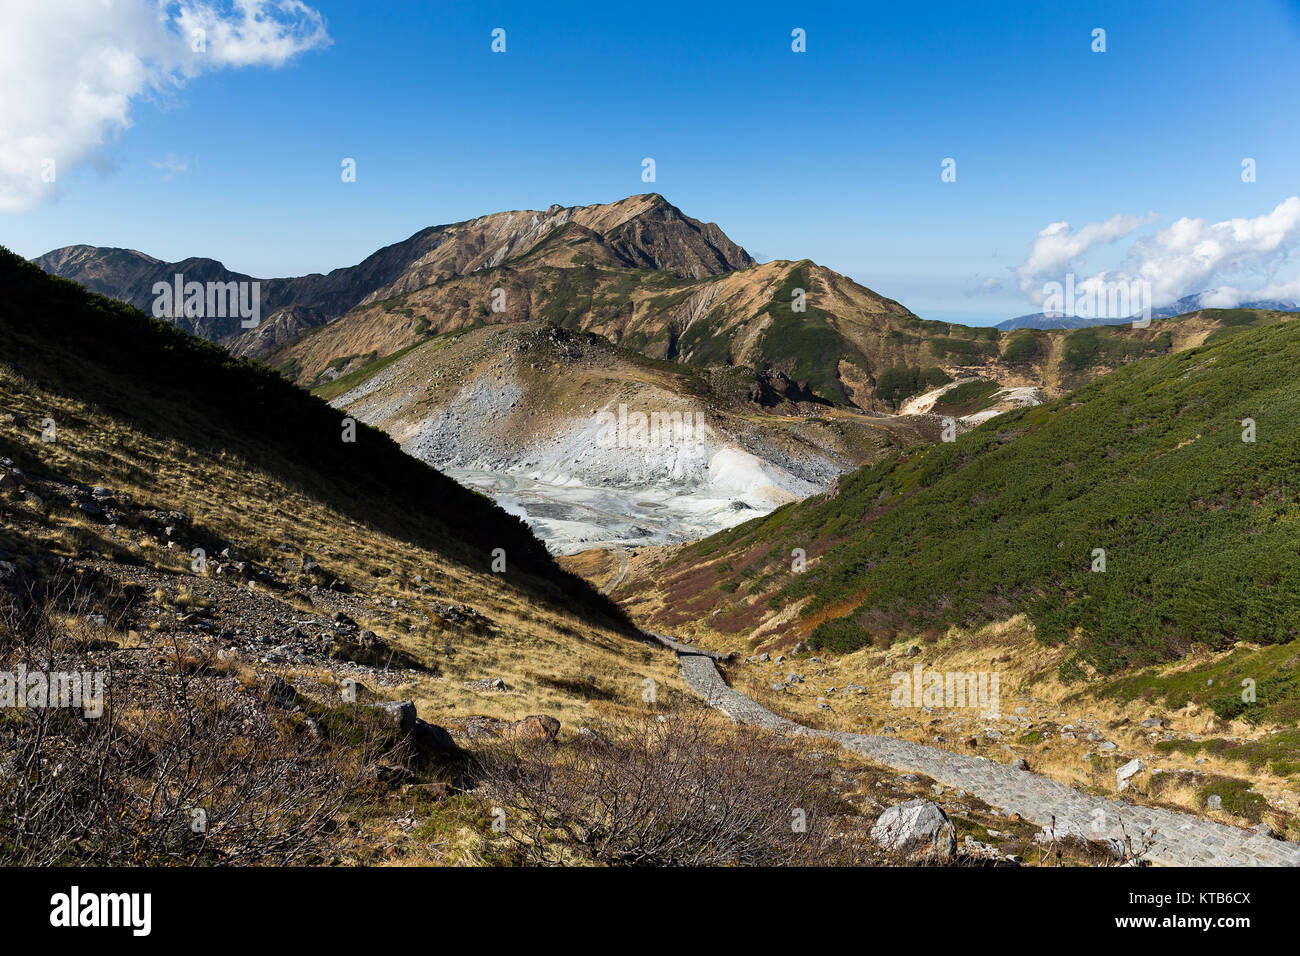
(643, 231)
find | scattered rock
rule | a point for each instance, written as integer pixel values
(394, 776)
(281, 693)
(917, 829)
(538, 727)
(401, 713)
(478, 728)
(1125, 774)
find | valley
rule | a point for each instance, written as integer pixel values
(1066, 548)
(585, 434)
(490, 349)
(539, 418)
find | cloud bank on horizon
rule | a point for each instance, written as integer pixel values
(1186, 257)
(70, 71)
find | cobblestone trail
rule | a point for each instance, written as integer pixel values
(1178, 839)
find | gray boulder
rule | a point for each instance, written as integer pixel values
(400, 713)
(1125, 774)
(919, 830)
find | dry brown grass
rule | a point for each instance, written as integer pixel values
(255, 510)
(1028, 678)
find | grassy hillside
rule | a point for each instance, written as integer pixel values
(1199, 527)
(233, 456)
(62, 338)
(261, 689)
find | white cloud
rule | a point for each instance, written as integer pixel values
(70, 70)
(1057, 247)
(985, 285)
(1187, 256)
(1227, 297)
(172, 166)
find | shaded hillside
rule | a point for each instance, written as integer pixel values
(185, 390)
(296, 634)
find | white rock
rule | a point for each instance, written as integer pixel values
(1125, 774)
(919, 830)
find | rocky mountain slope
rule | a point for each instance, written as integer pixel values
(597, 445)
(849, 346)
(641, 274)
(641, 231)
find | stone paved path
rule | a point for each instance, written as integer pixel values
(1179, 839)
(617, 579)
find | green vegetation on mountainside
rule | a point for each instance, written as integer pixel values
(1200, 529)
(898, 383)
(1109, 345)
(804, 345)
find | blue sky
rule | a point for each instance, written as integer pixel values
(833, 154)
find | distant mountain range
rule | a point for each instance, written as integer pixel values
(641, 274)
(1188, 303)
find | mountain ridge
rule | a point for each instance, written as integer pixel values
(645, 231)
(1188, 303)
(644, 276)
